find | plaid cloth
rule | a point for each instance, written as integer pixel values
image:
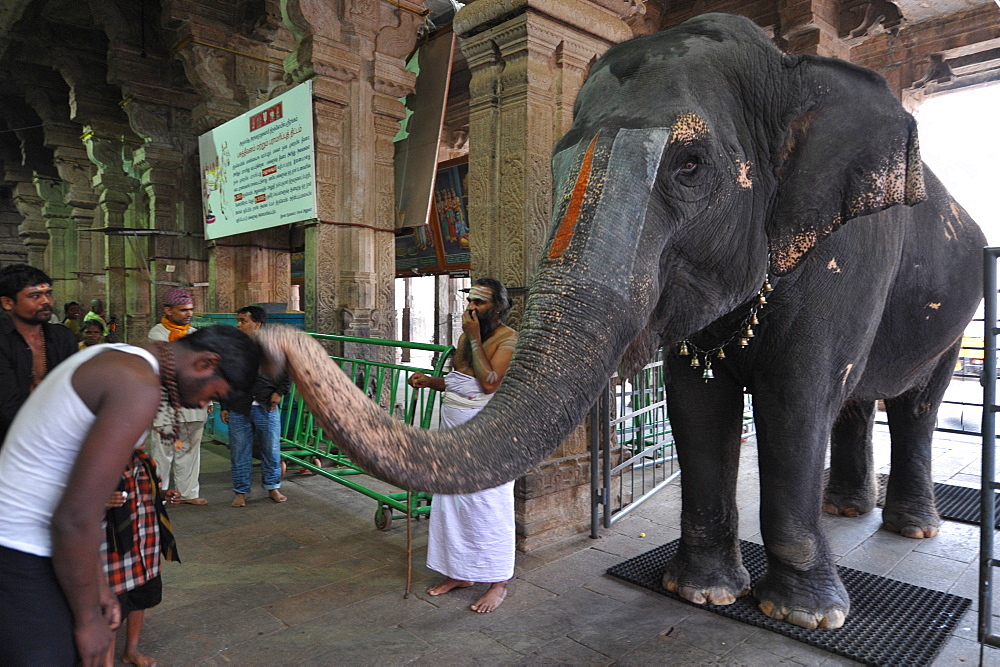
(134, 530)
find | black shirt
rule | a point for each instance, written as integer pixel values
(15, 365)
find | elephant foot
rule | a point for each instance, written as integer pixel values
(808, 600)
(707, 580)
(848, 503)
(841, 499)
(916, 523)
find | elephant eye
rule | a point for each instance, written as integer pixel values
(689, 166)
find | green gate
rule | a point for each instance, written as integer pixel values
(303, 443)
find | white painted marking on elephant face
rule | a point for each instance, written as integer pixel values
(956, 213)
(847, 371)
(832, 265)
(951, 233)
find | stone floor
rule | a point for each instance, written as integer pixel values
(313, 582)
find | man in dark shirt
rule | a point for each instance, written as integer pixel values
(29, 345)
(255, 417)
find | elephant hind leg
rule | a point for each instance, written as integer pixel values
(851, 489)
(909, 502)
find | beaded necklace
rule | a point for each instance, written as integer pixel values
(45, 361)
(171, 394)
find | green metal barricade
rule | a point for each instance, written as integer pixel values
(304, 444)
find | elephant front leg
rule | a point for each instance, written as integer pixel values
(801, 584)
(706, 421)
(851, 490)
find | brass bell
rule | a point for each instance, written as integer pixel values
(744, 342)
(753, 319)
(748, 333)
(684, 349)
(760, 299)
(708, 374)
(694, 362)
(767, 287)
(721, 354)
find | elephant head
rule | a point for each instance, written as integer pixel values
(700, 160)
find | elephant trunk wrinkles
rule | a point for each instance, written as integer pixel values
(556, 373)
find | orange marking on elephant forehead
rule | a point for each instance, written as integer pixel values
(568, 223)
(688, 127)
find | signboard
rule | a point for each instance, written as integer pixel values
(442, 244)
(258, 170)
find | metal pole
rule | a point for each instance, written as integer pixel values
(987, 508)
(595, 478)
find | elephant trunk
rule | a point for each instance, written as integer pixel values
(558, 370)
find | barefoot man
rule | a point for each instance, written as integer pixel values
(63, 456)
(471, 536)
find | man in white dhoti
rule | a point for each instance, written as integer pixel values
(471, 536)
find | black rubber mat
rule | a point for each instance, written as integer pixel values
(960, 503)
(890, 623)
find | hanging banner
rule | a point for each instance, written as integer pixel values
(259, 170)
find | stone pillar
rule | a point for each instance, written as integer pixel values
(59, 225)
(32, 231)
(107, 150)
(528, 59)
(12, 250)
(811, 27)
(356, 62)
(76, 171)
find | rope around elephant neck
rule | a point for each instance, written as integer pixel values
(703, 357)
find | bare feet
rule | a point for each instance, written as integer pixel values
(240, 500)
(194, 501)
(276, 496)
(140, 659)
(492, 599)
(447, 585)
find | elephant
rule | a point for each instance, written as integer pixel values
(767, 218)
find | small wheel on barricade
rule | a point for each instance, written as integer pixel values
(383, 517)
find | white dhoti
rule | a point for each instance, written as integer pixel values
(471, 535)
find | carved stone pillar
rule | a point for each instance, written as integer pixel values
(354, 53)
(12, 250)
(812, 27)
(528, 59)
(59, 225)
(106, 150)
(32, 231)
(75, 169)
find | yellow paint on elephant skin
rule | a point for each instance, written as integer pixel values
(743, 176)
(788, 255)
(934, 304)
(832, 265)
(688, 127)
(847, 372)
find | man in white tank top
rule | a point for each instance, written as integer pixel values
(84, 421)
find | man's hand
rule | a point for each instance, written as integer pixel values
(172, 496)
(224, 416)
(275, 400)
(110, 608)
(418, 380)
(92, 640)
(470, 324)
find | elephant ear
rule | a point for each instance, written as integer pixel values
(850, 150)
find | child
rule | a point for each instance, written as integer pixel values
(138, 531)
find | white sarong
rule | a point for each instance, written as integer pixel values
(471, 535)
